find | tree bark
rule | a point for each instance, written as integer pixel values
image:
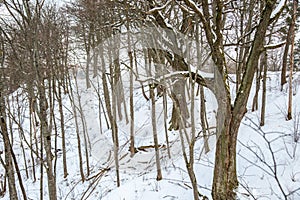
(62, 127)
(190, 163)
(292, 34)
(46, 136)
(72, 100)
(264, 96)
(203, 120)
(285, 56)
(225, 178)
(154, 130)
(228, 116)
(86, 138)
(257, 87)
(179, 91)
(132, 148)
(9, 168)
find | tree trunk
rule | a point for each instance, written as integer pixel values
(72, 100)
(257, 87)
(87, 70)
(41, 167)
(17, 119)
(203, 120)
(264, 96)
(111, 105)
(228, 116)
(132, 149)
(46, 136)
(285, 57)
(86, 138)
(292, 29)
(225, 177)
(154, 130)
(95, 61)
(190, 163)
(56, 134)
(43, 117)
(165, 108)
(115, 134)
(116, 78)
(32, 132)
(8, 152)
(245, 27)
(62, 127)
(179, 91)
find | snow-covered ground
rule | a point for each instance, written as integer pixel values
(268, 158)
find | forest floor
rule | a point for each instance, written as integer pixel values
(268, 157)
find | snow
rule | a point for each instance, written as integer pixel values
(297, 36)
(255, 162)
(276, 45)
(268, 157)
(194, 6)
(259, 149)
(159, 8)
(278, 8)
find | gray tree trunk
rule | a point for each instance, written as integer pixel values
(292, 29)
(154, 130)
(8, 165)
(264, 59)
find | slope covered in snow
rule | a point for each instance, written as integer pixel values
(267, 157)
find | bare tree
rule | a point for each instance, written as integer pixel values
(37, 51)
(229, 116)
(264, 59)
(8, 164)
(130, 54)
(154, 128)
(292, 37)
(74, 108)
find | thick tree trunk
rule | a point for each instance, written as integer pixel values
(225, 177)
(228, 116)
(225, 180)
(179, 92)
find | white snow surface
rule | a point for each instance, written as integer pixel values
(278, 8)
(255, 160)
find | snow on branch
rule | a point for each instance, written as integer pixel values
(153, 10)
(278, 9)
(275, 46)
(201, 80)
(193, 5)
